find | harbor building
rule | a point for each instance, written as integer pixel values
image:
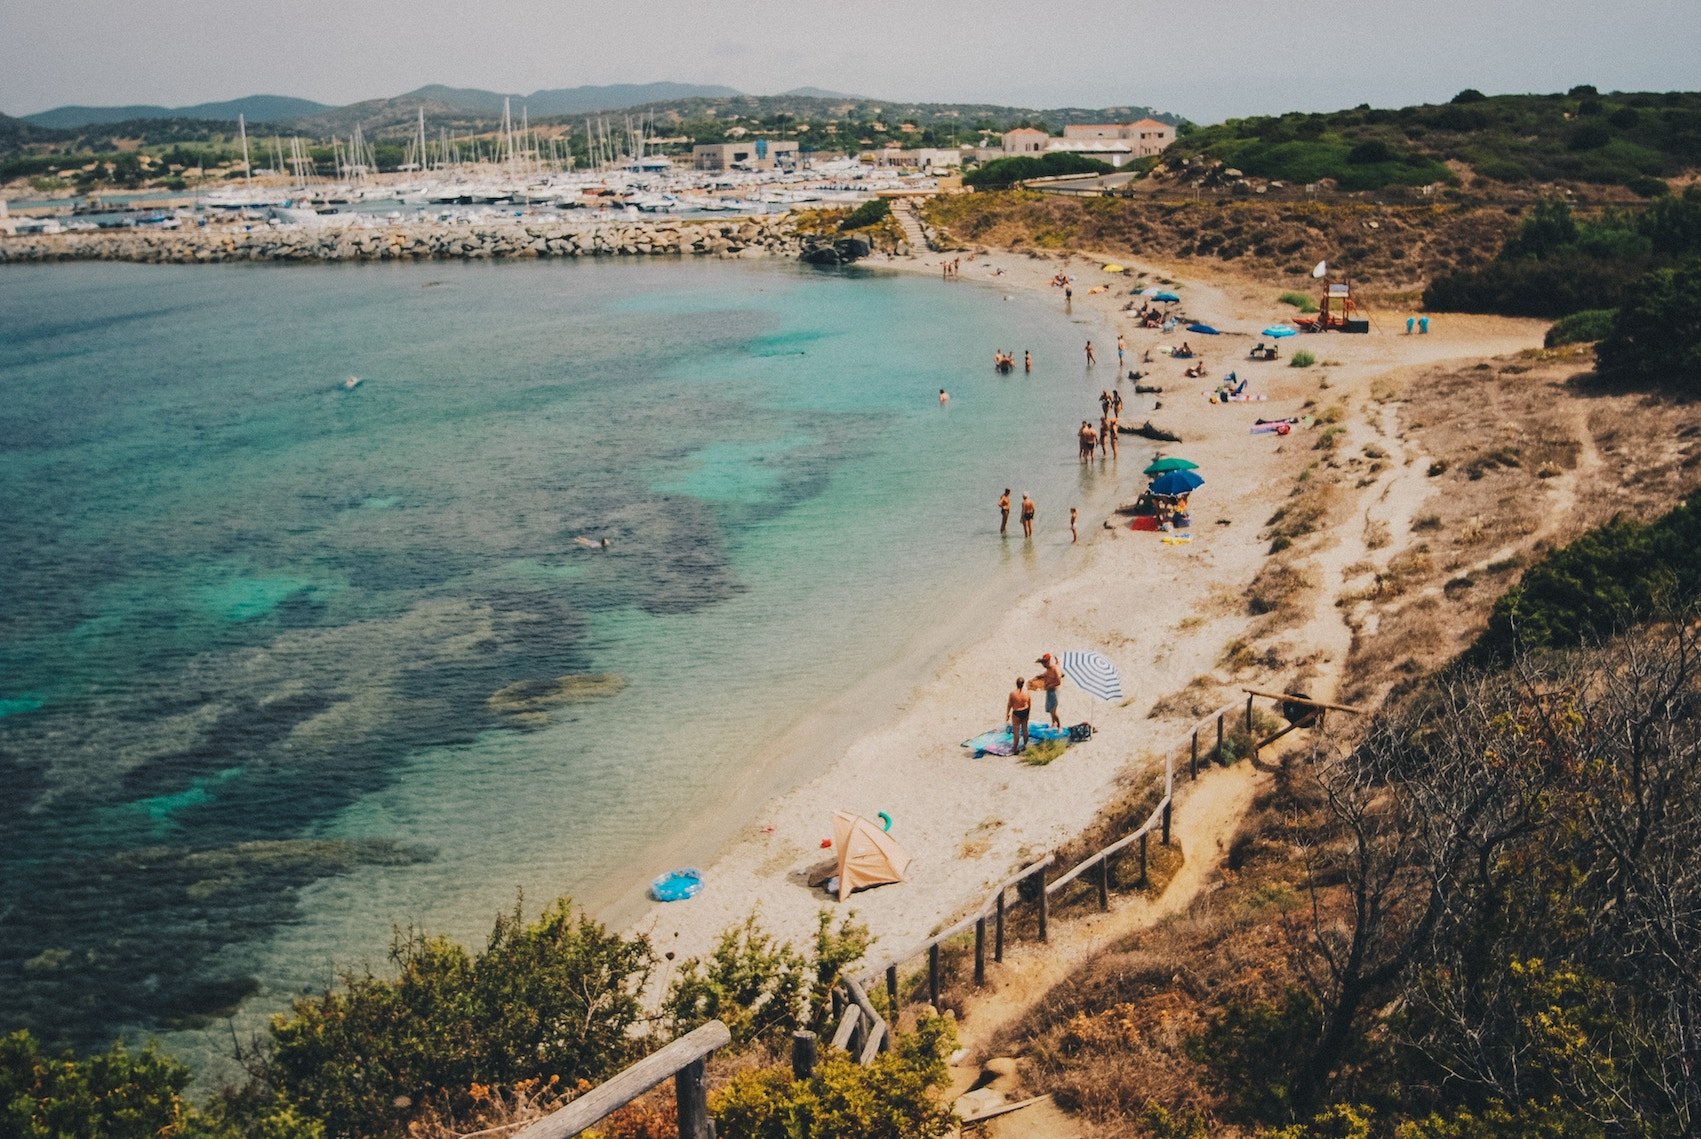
(758, 154)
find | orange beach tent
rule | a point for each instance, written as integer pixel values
(868, 856)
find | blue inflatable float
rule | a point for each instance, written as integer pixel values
(677, 885)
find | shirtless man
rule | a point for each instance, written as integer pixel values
(1092, 357)
(1004, 510)
(1028, 362)
(1089, 440)
(1027, 515)
(1049, 680)
(1121, 347)
(1016, 710)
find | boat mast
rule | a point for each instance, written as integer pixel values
(247, 167)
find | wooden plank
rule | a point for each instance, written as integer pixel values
(628, 1085)
(691, 1101)
(1002, 1109)
(1306, 700)
(876, 1041)
(846, 1027)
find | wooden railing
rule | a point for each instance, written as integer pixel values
(862, 1030)
(685, 1060)
(865, 1032)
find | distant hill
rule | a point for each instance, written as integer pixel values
(257, 109)
(819, 93)
(471, 108)
(1634, 139)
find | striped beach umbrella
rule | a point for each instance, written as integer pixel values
(1093, 674)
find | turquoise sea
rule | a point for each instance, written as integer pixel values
(284, 663)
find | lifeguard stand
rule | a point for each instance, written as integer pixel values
(1337, 308)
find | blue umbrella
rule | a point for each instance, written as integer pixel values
(1202, 329)
(1277, 331)
(1167, 298)
(1093, 674)
(1173, 483)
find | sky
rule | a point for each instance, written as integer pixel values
(1209, 60)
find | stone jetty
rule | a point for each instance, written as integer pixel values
(773, 235)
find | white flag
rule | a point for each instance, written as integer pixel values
(1321, 271)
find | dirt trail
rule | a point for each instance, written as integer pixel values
(1206, 815)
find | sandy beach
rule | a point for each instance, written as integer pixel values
(1163, 613)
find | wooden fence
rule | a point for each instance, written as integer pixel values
(862, 1030)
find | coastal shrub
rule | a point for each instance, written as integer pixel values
(871, 212)
(763, 989)
(1580, 327)
(1610, 578)
(1251, 1050)
(117, 1094)
(551, 1000)
(896, 1097)
(1001, 172)
(1655, 337)
(1304, 302)
(1302, 359)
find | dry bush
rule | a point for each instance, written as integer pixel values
(1200, 695)
(1305, 512)
(1279, 591)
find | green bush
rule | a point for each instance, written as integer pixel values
(1580, 327)
(1001, 172)
(893, 1098)
(1605, 581)
(1302, 359)
(760, 988)
(1655, 338)
(1304, 302)
(551, 998)
(117, 1094)
(871, 212)
(1251, 1053)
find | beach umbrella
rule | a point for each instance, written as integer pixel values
(1093, 674)
(1173, 483)
(1203, 329)
(1166, 297)
(1173, 463)
(1277, 331)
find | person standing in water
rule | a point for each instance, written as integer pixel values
(1027, 362)
(1074, 517)
(1092, 357)
(1004, 511)
(1016, 710)
(944, 397)
(1028, 513)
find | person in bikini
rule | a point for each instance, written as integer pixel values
(1016, 710)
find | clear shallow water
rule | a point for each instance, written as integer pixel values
(280, 661)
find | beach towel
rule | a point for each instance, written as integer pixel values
(1000, 741)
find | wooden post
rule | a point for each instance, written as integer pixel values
(691, 1095)
(803, 1052)
(838, 1003)
(1044, 907)
(980, 953)
(1104, 884)
(1144, 835)
(859, 1034)
(1249, 714)
(1193, 759)
(933, 974)
(1168, 807)
(892, 988)
(1219, 738)
(998, 930)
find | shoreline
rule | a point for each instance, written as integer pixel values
(1163, 613)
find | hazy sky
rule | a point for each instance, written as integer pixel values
(1208, 60)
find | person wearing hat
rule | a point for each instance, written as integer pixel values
(1049, 680)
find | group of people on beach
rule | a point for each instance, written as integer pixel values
(1018, 706)
(1004, 362)
(951, 268)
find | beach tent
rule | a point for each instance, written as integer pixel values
(868, 856)
(1203, 330)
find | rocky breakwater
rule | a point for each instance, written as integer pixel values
(415, 241)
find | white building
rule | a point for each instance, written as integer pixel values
(1147, 136)
(1025, 140)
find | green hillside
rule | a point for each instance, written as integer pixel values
(1628, 139)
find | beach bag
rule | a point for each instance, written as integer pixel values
(1080, 733)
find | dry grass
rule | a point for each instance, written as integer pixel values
(1200, 695)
